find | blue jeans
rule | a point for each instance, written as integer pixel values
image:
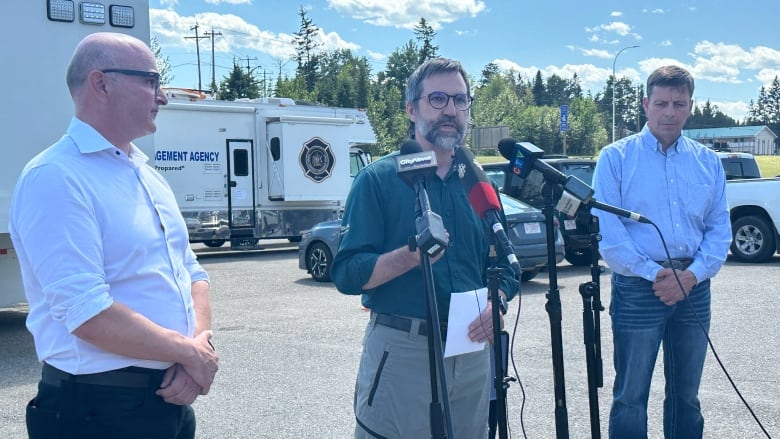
(640, 322)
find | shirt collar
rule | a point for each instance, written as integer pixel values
(649, 141)
(89, 140)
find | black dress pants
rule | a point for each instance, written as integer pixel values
(69, 409)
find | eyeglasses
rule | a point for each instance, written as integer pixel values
(439, 100)
(154, 77)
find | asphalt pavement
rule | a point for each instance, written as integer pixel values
(289, 350)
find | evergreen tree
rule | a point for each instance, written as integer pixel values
(238, 84)
(538, 90)
(306, 54)
(425, 34)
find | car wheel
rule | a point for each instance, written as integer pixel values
(580, 258)
(528, 275)
(214, 243)
(319, 261)
(753, 239)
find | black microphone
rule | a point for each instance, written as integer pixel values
(484, 200)
(525, 156)
(412, 163)
(415, 166)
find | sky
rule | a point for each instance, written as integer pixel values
(731, 48)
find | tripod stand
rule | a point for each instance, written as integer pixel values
(591, 327)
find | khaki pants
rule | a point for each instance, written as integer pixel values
(393, 391)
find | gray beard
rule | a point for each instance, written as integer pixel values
(440, 142)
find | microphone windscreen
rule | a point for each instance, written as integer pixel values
(411, 146)
(507, 147)
(482, 198)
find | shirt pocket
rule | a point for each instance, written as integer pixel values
(698, 199)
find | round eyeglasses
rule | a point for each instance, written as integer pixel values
(439, 100)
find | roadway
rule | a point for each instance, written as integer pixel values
(289, 351)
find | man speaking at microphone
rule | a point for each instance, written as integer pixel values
(392, 392)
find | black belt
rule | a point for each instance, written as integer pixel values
(677, 264)
(137, 377)
(405, 324)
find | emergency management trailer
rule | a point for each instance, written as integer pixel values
(250, 170)
(39, 107)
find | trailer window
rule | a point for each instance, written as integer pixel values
(240, 162)
(276, 149)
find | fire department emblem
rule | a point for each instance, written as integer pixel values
(317, 159)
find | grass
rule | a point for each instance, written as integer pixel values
(769, 164)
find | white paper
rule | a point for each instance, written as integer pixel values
(464, 309)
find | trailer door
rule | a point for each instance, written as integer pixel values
(241, 177)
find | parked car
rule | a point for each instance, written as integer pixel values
(575, 229)
(525, 229)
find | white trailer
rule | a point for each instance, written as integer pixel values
(39, 107)
(250, 170)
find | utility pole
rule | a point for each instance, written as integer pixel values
(213, 34)
(247, 59)
(197, 50)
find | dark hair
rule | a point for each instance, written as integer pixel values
(670, 76)
(434, 66)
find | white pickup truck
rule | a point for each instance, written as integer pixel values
(755, 209)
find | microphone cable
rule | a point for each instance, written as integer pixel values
(707, 335)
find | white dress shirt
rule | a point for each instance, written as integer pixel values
(92, 226)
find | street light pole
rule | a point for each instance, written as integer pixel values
(614, 82)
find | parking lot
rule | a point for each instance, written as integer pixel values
(289, 350)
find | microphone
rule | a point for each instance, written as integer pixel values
(484, 200)
(525, 156)
(414, 166)
(413, 163)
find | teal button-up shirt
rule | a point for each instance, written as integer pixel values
(380, 217)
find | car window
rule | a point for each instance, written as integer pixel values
(583, 171)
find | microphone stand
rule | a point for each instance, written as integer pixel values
(500, 382)
(591, 325)
(553, 308)
(426, 240)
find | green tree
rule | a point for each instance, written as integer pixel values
(425, 34)
(496, 103)
(538, 90)
(766, 111)
(306, 54)
(238, 84)
(163, 63)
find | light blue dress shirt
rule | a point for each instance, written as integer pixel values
(682, 190)
(92, 226)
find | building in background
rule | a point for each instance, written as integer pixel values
(757, 140)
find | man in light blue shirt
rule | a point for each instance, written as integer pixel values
(119, 307)
(680, 186)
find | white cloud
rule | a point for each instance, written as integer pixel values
(666, 43)
(592, 78)
(735, 109)
(237, 34)
(229, 2)
(598, 53)
(617, 27)
(407, 13)
(615, 14)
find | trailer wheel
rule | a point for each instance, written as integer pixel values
(319, 261)
(753, 239)
(214, 243)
